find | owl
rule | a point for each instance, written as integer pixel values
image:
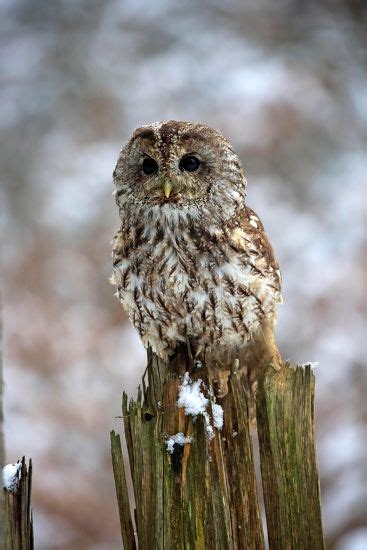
(191, 261)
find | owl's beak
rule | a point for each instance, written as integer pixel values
(167, 188)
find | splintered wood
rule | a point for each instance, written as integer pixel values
(191, 461)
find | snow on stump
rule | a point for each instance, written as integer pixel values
(17, 483)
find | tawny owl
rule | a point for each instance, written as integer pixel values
(191, 261)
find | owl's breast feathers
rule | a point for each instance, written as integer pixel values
(214, 285)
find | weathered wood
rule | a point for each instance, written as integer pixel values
(127, 529)
(244, 510)
(285, 420)
(18, 512)
(203, 495)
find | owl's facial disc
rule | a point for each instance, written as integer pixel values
(178, 165)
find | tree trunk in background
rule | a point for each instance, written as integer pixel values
(18, 512)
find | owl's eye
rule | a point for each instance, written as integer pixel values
(149, 166)
(189, 163)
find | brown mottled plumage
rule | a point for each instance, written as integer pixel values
(191, 261)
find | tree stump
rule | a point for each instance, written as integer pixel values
(194, 481)
(17, 510)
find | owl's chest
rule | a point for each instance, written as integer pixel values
(177, 278)
(171, 268)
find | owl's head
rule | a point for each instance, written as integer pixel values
(178, 165)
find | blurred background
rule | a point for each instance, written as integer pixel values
(286, 82)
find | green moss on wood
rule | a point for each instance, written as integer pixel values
(285, 419)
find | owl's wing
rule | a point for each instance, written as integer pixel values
(250, 237)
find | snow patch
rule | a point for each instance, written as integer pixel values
(11, 476)
(177, 439)
(217, 416)
(192, 399)
(208, 427)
